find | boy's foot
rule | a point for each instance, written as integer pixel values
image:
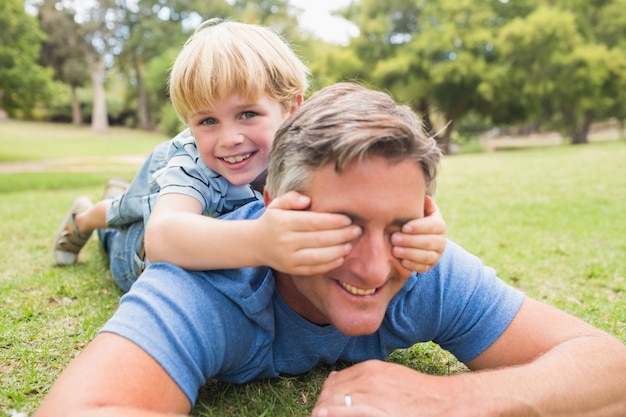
(68, 240)
(114, 187)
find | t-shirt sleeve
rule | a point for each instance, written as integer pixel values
(166, 313)
(464, 306)
(186, 173)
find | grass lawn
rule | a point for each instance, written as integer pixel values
(551, 221)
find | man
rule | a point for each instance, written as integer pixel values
(352, 151)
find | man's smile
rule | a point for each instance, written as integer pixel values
(357, 291)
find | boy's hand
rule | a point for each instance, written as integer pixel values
(300, 242)
(421, 242)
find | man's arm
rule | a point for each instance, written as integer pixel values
(114, 377)
(546, 363)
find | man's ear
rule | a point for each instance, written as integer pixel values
(430, 206)
(266, 197)
(297, 103)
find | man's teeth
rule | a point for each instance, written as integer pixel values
(235, 159)
(357, 291)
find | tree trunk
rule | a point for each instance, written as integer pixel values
(581, 136)
(3, 114)
(444, 141)
(77, 118)
(99, 117)
(142, 99)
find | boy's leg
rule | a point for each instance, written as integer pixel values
(81, 220)
(124, 248)
(69, 240)
(115, 187)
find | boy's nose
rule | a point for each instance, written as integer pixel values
(230, 136)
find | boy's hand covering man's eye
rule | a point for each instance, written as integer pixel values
(422, 241)
(299, 242)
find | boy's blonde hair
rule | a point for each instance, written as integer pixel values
(223, 57)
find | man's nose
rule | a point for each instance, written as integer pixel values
(371, 259)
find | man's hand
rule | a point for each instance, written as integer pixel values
(380, 389)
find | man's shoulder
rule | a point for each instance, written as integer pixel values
(457, 272)
(250, 211)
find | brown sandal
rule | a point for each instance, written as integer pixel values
(68, 240)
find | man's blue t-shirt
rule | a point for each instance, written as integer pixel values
(234, 326)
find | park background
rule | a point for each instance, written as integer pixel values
(467, 67)
(83, 98)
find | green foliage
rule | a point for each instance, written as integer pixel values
(513, 62)
(63, 49)
(331, 63)
(472, 125)
(536, 48)
(559, 71)
(22, 81)
(561, 64)
(169, 123)
(155, 79)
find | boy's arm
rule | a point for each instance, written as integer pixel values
(114, 377)
(422, 241)
(285, 237)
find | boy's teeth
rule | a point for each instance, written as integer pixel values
(235, 159)
(357, 291)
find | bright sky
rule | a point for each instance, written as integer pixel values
(317, 18)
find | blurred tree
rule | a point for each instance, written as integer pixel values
(272, 13)
(603, 23)
(151, 26)
(555, 73)
(100, 23)
(148, 28)
(22, 80)
(331, 63)
(62, 51)
(514, 62)
(432, 55)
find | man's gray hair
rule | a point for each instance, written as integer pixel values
(343, 123)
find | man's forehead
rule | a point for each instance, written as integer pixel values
(370, 187)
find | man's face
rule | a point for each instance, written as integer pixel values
(379, 198)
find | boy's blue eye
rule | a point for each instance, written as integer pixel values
(208, 121)
(248, 114)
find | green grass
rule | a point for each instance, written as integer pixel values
(25, 141)
(551, 221)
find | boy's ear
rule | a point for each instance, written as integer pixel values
(297, 103)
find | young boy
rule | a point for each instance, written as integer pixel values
(232, 85)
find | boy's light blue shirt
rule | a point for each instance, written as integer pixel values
(176, 166)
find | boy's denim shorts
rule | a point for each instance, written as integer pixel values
(126, 255)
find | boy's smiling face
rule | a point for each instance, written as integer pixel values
(235, 137)
(379, 198)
